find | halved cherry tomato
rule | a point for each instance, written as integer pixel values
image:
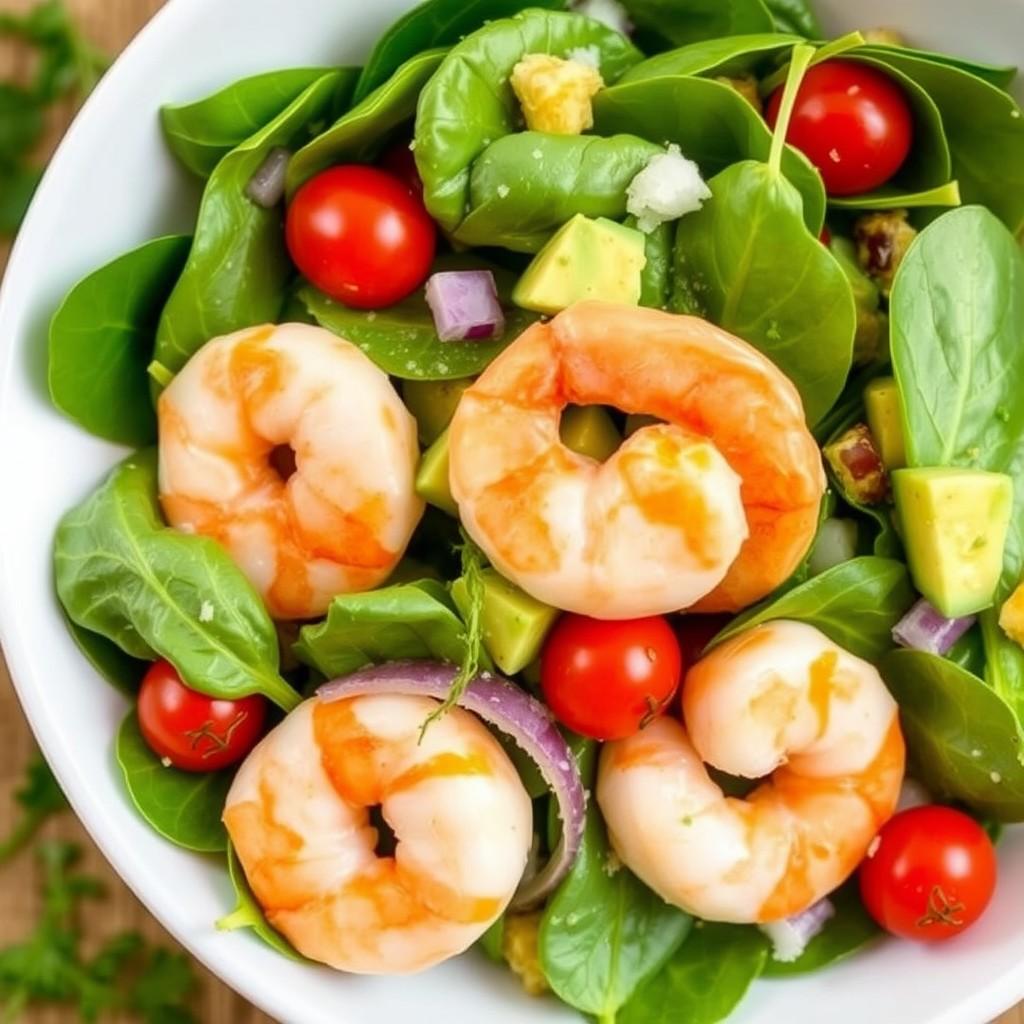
(852, 122)
(929, 875)
(361, 236)
(195, 732)
(607, 679)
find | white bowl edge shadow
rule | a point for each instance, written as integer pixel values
(105, 193)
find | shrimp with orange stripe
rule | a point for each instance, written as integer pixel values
(779, 700)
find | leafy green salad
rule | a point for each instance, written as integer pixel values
(574, 507)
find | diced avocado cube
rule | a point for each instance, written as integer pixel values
(433, 404)
(432, 477)
(589, 430)
(885, 418)
(584, 259)
(515, 624)
(954, 524)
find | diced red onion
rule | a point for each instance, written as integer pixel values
(266, 186)
(791, 937)
(528, 722)
(465, 305)
(925, 628)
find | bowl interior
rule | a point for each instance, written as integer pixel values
(112, 186)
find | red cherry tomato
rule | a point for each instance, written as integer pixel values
(607, 679)
(825, 237)
(399, 161)
(195, 732)
(361, 236)
(852, 122)
(930, 874)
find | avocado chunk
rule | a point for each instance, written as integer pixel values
(584, 259)
(589, 430)
(433, 404)
(953, 524)
(432, 477)
(515, 624)
(885, 418)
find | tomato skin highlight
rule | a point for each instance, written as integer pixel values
(607, 679)
(852, 122)
(196, 733)
(930, 874)
(361, 236)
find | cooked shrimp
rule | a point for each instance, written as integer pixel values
(712, 509)
(299, 816)
(341, 521)
(779, 698)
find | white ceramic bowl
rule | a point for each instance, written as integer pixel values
(113, 185)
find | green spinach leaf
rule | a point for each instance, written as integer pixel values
(238, 270)
(656, 277)
(705, 980)
(430, 24)
(469, 106)
(410, 620)
(851, 929)
(795, 16)
(604, 933)
(679, 22)
(855, 604)
(122, 573)
(889, 196)
(249, 914)
(362, 132)
(122, 671)
(184, 807)
(203, 132)
(730, 57)
(402, 339)
(101, 342)
(964, 739)
(999, 75)
(712, 124)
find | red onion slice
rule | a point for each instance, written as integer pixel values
(266, 186)
(925, 628)
(465, 305)
(791, 937)
(528, 722)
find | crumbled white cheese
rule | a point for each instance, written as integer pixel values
(791, 937)
(166, 762)
(669, 187)
(206, 612)
(503, 191)
(588, 56)
(996, 777)
(608, 12)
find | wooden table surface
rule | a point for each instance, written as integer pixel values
(110, 24)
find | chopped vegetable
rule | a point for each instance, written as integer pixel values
(555, 93)
(465, 305)
(519, 947)
(267, 185)
(925, 628)
(858, 467)
(1011, 616)
(885, 418)
(608, 12)
(519, 716)
(669, 187)
(791, 937)
(883, 239)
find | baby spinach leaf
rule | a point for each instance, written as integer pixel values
(249, 914)
(795, 16)
(430, 24)
(748, 262)
(851, 929)
(411, 620)
(469, 104)
(123, 672)
(184, 807)
(101, 341)
(201, 133)
(984, 129)
(730, 57)
(712, 124)
(964, 739)
(889, 196)
(855, 605)
(122, 573)
(679, 22)
(1001, 76)
(656, 277)
(604, 932)
(238, 270)
(402, 339)
(704, 981)
(362, 132)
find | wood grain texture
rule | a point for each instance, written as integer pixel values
(110, 24)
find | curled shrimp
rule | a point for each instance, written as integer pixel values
(298, 814)
(342, 519)
(783, 699)
(712, 509)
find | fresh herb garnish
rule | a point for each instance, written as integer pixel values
(39, 798)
